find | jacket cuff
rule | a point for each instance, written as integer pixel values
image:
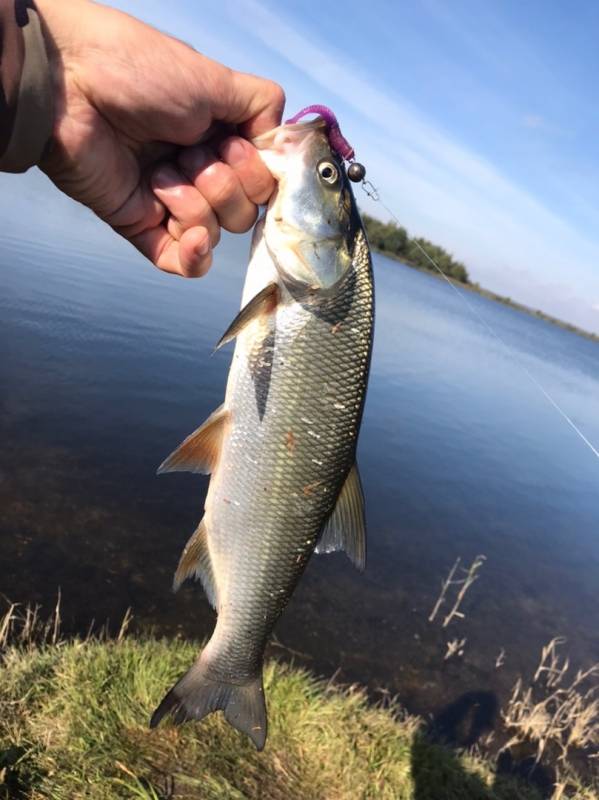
(26, 97)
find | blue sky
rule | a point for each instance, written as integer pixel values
(477, 121)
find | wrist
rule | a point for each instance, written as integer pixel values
(65, 24)
(68, 27)
(61, 19)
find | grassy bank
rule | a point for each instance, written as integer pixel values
(73, 724)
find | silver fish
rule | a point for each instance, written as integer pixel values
(281, 449)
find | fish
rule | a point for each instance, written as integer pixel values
(281, 450)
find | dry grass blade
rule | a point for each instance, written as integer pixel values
(26, 628)
(553, 714)
(127, 619)
(57, 619)
(6, 625)
(465, 584)
(454, 647)
(550, 666)
(445, 585)
(470, 576)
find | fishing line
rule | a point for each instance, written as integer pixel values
(374, 194)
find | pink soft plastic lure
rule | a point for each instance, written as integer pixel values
(336, 139)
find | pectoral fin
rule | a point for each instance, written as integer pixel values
(346, 528)
(200, 451)
(195, 563)
(264, 302)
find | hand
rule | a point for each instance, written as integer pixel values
(131, 106)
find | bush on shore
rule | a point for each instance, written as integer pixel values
(393, 240)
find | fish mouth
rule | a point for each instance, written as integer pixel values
(265, 140)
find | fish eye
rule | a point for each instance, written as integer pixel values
(328, 172)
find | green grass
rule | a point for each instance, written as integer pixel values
(73, 724)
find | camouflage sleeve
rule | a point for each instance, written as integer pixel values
(26, 107)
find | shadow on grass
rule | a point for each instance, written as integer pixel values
(439, 773)
(12, 784)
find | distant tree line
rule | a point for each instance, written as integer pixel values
(393, 240)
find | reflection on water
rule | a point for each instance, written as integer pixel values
(106, 365)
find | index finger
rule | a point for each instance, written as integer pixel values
(255, 104)
(257, 181)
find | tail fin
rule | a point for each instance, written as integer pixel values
(196, 695)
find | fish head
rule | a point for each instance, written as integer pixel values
(311, 220)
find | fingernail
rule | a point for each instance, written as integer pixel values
(234, 151)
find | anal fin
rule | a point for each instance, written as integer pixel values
(195, 562)
(200, 451)
(263, 303)
(345, 529)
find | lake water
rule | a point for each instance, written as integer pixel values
(106, 365)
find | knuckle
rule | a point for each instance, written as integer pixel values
(277, 95)
(242, 221)
(262, 188)
(200, 214)
(222, 186)
(175, 228)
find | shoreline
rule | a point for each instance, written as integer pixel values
(490, 295)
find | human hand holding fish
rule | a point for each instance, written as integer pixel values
(138, 133)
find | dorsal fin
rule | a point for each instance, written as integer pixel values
(200, 451)
(346, 528)
(264, 302)
(195, 562)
